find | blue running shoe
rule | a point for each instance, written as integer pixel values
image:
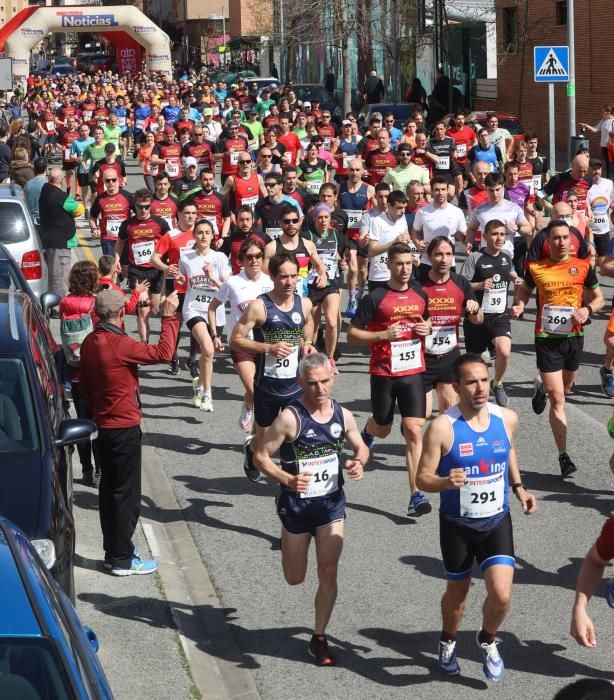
(369, 440)
(419, 504)
(107, 562)
(138, 566)
(493, 666)
(350, 312)
(607, 382)
(447, 659)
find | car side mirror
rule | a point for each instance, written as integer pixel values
(92, 638)
(74, 430)
(48, 301)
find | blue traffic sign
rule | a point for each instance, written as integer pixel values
(551, 64)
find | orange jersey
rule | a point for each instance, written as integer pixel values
(611, 322)
(559, 286)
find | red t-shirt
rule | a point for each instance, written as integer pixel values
(166, 209)
(464, 138)
(113, 210)
(292, 144)
(446, 305)
(138, 234)
(605, 541)
(378, 163)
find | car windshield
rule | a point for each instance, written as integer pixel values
(311, 92)
(17, 423)
(31, 668)
(13, 224)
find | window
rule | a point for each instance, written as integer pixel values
(510, 29)
(560, 8)
(13, 224)
(18, 431)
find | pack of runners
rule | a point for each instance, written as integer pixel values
(307, 208)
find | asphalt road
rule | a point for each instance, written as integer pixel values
(386, 623)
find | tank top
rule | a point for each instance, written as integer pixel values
(302, 255)
(247, 191)
(316, 449)
(275, 375)
(484, 500)
(354, 203)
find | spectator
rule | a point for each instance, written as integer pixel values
(57, 226)
(5, 154)
(21, 170)
(32, 188)
(416, 93)
(373, 89)
(330, 82)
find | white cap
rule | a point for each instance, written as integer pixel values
(306, 104)
(190, 160)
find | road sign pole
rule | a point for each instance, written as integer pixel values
(571, 86)
(552, 130)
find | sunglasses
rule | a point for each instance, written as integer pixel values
(270, 184)
(254, 256)
(244, 162)
(266, 155)
(143, 206)
(290, 221)
(111, 179)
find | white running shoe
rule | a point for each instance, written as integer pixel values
(206, 403)
(199, 397)
(246, 420)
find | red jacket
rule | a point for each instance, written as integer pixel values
(109, 371)
(74, 306)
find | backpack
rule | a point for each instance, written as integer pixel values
(73, 332)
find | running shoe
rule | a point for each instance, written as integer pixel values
(566, 465)
(540, 398)
(192, 365)
(607, 382)
(333, 365)
(207, 403)
(318, 648)
(246, 420)
(199, 392)
(248, 465)
(173, 366)
(493, 666)
(107, 562)
(501, 396)
(448, 663)
(369, 440)
(419, 504)
(350, 312)
(138, 566)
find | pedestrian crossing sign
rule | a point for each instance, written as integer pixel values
(551, 64)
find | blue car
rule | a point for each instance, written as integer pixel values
(45, 652)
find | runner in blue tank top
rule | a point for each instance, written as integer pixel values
(310, 434)
(276, 328)
(468, 457)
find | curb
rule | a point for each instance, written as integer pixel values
(215, 660)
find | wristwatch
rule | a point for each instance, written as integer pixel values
(589, 308)
(517, 486)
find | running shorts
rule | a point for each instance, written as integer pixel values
(407, 392)
(303, 516)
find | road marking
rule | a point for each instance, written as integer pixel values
(150, 536)
(86, 249)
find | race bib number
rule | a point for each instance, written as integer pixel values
(252, 145)
(482, 497)
(67, 154)
(201, 302)
(557, 319)
(151, 169)
(313, 186)
(600, 224)
(441, 340)
(405, 355)
(461, 150)
(273, 233)
(331, 264)
(169, 221)
(213, 221)
(326, 143)
(347, 157)
(494, 301)
(139, 124)
(87, 115)
(536, 181)
(443, 163)
(184, 250)
(354, 217)
(121, 121)
(102, 122)
(172, 168)
(113, 228)
(142, 252)
(282, 367)
(249, 201)
(234, 157)
(324, 475)
(50, 126)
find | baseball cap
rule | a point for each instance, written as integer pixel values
(346, 122)
(108, 302)
(191, 161)
(207, 112)
(253, 110)
(306, 104)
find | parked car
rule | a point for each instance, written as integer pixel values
(101, 64)
(62, 69)
(69, 60)
(402, 112)
(36, 436)
(477, 120)
(261, 83)
(45, 650)
(19, 234)
(307, 92)
(11, 274)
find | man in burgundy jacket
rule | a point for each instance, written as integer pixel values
(110, 384)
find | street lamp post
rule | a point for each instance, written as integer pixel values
(223, 18)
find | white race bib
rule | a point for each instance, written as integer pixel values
(494, 301)
(557, 319)
(443, 163)
(326, 143)
(482, 497)
(461, 150)
(139, 124)
(87, 115)
(113, 228)
(121, 121)
(274, 233)
(249, 201)
(331, 264)
(184, 250)
(234, 157)
(536, 181)
(169, 221)
(441, 340)
(405, 355)
(600, 224)
(212, 219)
(347, 157)
(313, 186)
(201, 301)
(142, 252)
(50, 126)
(282, 367)
(354, 217)
(67, 154)
(102, 122)
(324, 475)
(151, 169)
(172, 168)
(380, 262)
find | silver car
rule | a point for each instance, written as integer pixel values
(19, 234)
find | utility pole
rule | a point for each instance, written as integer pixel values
(571, 85)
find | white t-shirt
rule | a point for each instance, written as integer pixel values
(199, 289)
(215, 129)
(498, 138)
(383, 230)
(367, 217)
(238, 291)
(599, 197)
(443, 221)
(504, 211)
(603, 128)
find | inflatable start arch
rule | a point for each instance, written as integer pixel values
(36, 24)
